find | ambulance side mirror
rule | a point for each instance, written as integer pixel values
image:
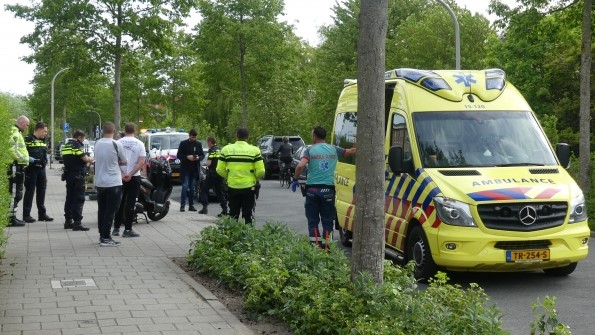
(563, 153)
(397, 162)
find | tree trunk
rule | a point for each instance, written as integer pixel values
(368, 235)
(117, 72)
(585, 101)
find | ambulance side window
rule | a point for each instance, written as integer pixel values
(345, 132)
(399, 135)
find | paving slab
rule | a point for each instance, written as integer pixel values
(57, 281)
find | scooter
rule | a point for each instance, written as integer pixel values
(153, 198)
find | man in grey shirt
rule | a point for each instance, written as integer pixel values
(109, 156)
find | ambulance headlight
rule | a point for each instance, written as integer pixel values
(578, 209)
(454, 212)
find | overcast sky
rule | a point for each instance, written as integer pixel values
(305, 15)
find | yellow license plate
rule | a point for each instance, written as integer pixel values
(523, 256)
(175, 174)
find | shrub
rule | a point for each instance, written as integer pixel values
(282, 274)
(6, 121)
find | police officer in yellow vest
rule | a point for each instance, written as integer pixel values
(242, 166)
(20, 156)
(213, 179)
(35, 175)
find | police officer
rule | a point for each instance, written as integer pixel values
(20, 156)
(75, 160)
(242, 166)
(213, 180)
(35, 174)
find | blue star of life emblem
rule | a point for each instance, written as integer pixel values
(323, 165)
(466, 79)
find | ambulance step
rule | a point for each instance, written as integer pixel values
(395, 255)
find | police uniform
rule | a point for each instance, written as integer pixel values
(20, 156)
(242, 166)
(214, 181)
(35, 178)
(74, 175)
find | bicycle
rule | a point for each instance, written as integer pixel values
(285, 174)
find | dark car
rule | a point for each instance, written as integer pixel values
(297, 156)
(58, 152)
(269, 144)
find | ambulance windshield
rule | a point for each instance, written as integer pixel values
(476, 139)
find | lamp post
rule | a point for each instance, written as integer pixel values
(457, 34)
(52, 115)
(89, 111)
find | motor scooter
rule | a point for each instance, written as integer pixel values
(153, 198)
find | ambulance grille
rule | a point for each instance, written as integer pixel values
(508, 216)
(458, 173)
(544, 171)
(523, 245)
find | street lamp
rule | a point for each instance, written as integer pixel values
(457, 34)
(52, 115)
(99, 118)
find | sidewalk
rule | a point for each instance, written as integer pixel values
(56, 281)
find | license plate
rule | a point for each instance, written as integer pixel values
(175, 174)
(523, 256)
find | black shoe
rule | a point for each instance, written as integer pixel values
(16, 223)
(182, 208)
(116, 232)
(68, 224)
(108, 242)
(191, 209)
(45, 217)
(28, 219)
(78, 226)
(130, 233)
(204, 210)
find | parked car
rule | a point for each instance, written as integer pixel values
(297, 156)
(164, 144)
(58, 152)
(269, 144)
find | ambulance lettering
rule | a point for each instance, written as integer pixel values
(500, 181)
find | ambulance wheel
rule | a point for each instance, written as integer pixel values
(418, 251)
(345, 236)
(561, 271)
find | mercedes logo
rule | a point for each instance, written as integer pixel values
(528, 215)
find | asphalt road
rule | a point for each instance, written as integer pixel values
(512, 293)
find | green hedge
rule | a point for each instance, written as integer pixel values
(6, 121)
(282, 275)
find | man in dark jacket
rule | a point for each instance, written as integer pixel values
(35, 174)
(190, 154)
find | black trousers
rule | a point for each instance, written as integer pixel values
(243, 200)
(75, 196)
(218, 185)
(108, 202)
(126, 213)
(15, 181)
(35, 181)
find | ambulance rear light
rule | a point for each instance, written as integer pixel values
(453, 212)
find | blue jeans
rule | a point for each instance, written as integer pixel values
(320, 207)
(188, 187)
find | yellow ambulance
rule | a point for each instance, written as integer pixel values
(471, 181)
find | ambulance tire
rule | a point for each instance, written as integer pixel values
(345, 236)
(418, 251)
(561, 271)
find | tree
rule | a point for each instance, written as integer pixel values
(585, 104)
(108, 28)
(368, 237)
(235, 39)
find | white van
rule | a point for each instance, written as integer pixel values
(164, 144)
